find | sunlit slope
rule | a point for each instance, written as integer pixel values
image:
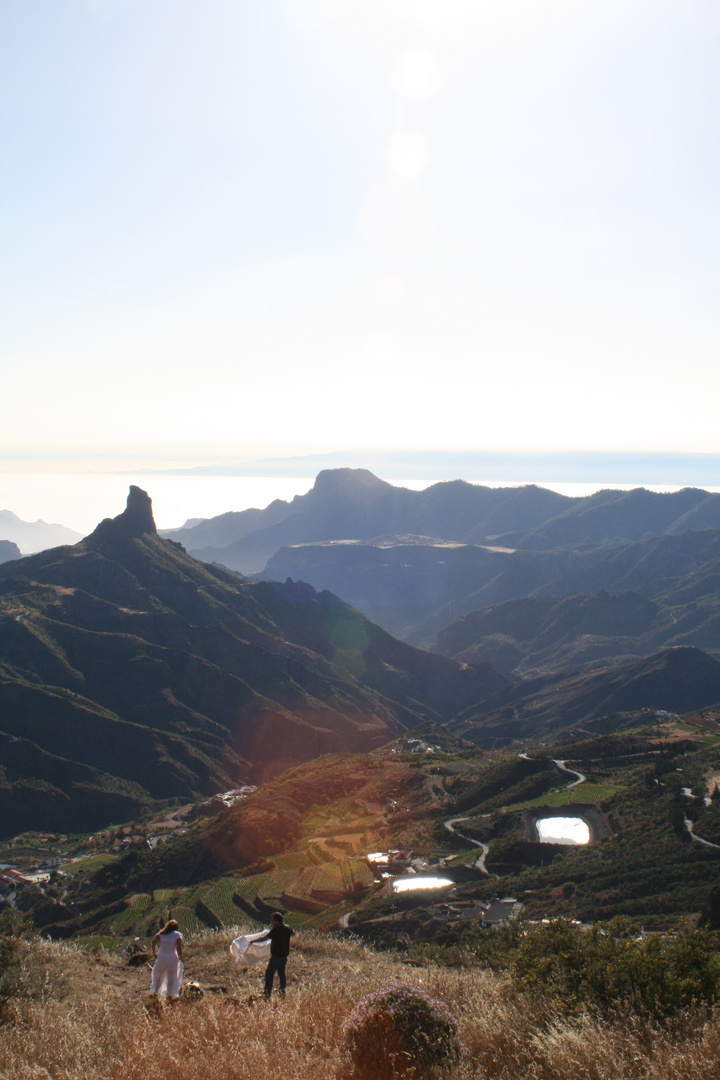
(235, 680)
(301, 841)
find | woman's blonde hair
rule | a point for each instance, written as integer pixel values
(169, 927)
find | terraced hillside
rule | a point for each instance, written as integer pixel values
(301, 842)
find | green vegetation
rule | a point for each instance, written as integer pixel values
(84, 867)
(299, 843)
(585, 793)
(609, 965)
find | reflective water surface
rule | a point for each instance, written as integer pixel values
(420, 882)
(563, 830)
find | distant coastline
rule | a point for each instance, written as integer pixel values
(598, 468)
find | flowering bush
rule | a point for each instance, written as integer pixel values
(399, 1028)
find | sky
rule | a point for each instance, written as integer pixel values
(234, 230)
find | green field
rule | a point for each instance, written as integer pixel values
(88, 866)
(584, 793)
(144, 913)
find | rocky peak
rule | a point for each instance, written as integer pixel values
(135, 520)
(349, 483)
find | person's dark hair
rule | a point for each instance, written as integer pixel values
(277, 916)
(169, 927)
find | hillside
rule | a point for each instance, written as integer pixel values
(301, 842)
(89, 1010)
(8, 551)
(417, 586)
(543, 634)
(675, 680)
(132, 672)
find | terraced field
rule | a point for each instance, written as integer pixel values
(585, 793)
(214, 905)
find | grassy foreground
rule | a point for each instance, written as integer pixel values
(89, 1020)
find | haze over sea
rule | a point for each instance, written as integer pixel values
(80, 500)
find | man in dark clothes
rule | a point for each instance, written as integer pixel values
(279, 935)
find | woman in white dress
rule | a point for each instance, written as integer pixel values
(167, 970)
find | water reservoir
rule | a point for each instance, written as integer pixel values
(419, 882)
(562, 830)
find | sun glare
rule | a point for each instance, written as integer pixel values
(407, 154)
(415, 75)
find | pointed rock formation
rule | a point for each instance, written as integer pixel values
(136, 519)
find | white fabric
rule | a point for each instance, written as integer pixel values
(167, 972)
(167, 976)
(167, 943)
(247, 950)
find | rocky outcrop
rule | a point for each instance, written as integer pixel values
(136, 519)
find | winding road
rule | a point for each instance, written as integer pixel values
(689, 827)
(480, 861)
(573, 772)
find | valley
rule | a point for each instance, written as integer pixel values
(327, 841)
(181, 739)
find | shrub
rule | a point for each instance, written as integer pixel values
(401, 1028)
(607, 965)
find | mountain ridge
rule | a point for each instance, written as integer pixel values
(232, 679)
(355, 504)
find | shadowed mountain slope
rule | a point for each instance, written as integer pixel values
(415, 587)
(630, 515)
(676, 680)
(131, 668)
(539, 635)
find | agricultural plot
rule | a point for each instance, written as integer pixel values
(81, 867)
(294, 860)
(219, 898)
(187, 920)
(593, 793)
(144, 916)
(200, 906)
(126, 920)
(584, 793)
(161, 895)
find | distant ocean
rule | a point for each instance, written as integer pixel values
(81, 500)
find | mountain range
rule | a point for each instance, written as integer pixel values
(131, 672)
(31, 536)
(588, 702)
(353, 504)
(418, 562)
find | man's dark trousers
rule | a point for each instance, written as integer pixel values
(275, 963)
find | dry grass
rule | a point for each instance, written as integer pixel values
(100, 1029)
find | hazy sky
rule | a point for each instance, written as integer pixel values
(282, 226)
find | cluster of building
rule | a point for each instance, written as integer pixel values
(494, 914)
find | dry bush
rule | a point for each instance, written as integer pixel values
(101, 1029)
